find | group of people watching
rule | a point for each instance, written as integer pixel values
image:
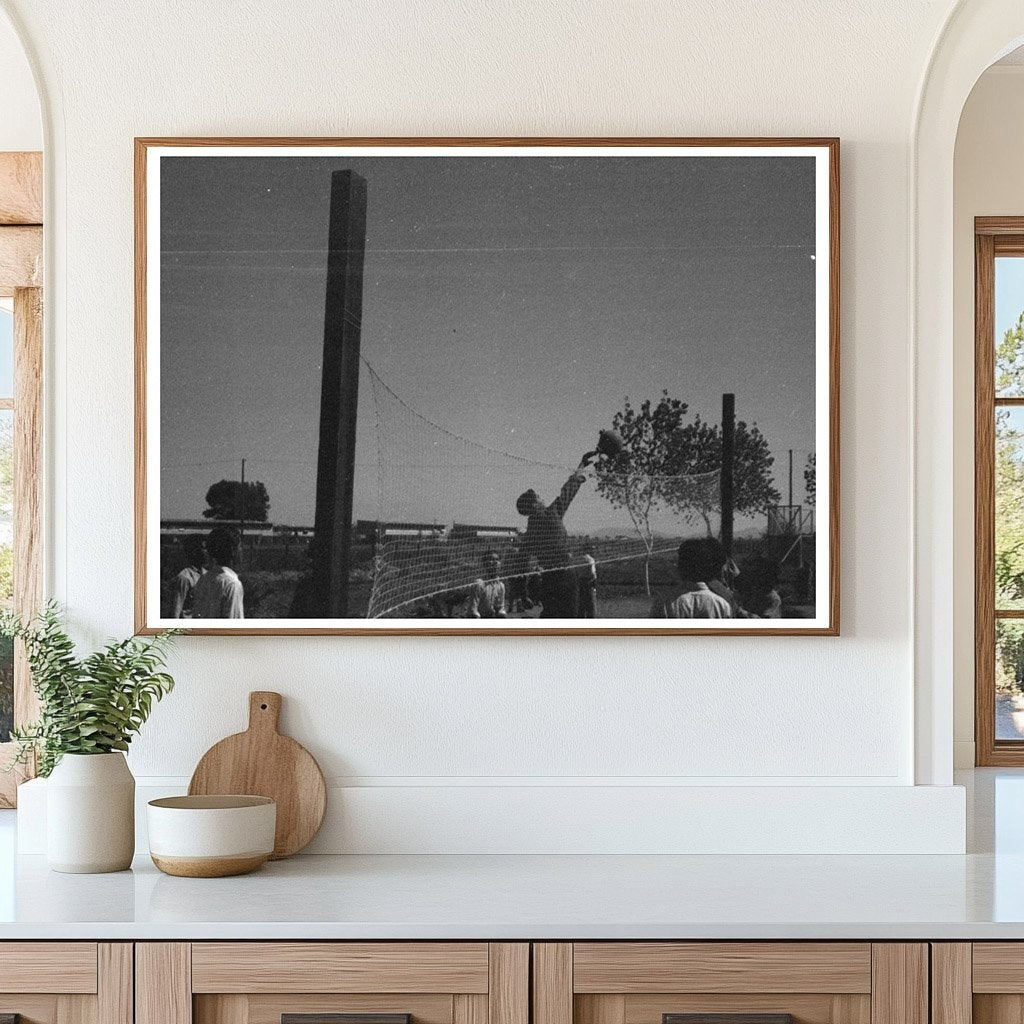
(208, 587)
(711, 586)
(490, 599)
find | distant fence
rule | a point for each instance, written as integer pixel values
(790, 521)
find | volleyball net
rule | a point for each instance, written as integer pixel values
(454, 513)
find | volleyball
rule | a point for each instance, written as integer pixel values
(610, 444)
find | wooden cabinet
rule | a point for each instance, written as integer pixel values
(757, 982)
(494, 983)
(379, 982)
(66, 982)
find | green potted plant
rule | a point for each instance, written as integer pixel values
(90, 708)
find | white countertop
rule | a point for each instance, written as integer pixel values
(496, 897)
(977, 896)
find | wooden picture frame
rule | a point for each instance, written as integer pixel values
(822, 564)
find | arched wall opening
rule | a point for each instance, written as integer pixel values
(976, 34)
(989, 152)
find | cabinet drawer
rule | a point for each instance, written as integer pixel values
(730, 983)
(635, 967)
(332, 983)
(340, 967)
(65, 967)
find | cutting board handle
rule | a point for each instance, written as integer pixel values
(264, 710)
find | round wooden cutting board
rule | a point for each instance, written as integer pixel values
(262, 762)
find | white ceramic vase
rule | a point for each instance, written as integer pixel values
(90, 814)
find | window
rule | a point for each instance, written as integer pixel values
(20, 431)
(999, 490)
(6, 511)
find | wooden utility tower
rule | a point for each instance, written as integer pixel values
(339, 396)
(728, 461)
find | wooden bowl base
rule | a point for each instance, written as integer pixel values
(209, 867)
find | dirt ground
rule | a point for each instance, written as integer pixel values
(1009, 716)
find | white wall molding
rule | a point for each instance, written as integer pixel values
(963, 754)
(527, 819)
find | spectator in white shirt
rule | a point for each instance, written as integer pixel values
(185, 582)
(219, 592)
(700, 560)
(588, 586)
(487, 598)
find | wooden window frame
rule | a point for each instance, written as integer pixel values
(21, 278)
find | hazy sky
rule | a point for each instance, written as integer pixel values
(514, 301)
(1009, 293)
(6, 354)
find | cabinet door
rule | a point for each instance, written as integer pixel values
(66, 983)
(980, 982)
(730, 983)
(332, 983)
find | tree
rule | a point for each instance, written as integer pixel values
(7, 509)
(670, 463)
(1009, 504)
(1010, 362)
(632, 480)
(231, 499)
(1009, 469)
(811, 478)
(696, 454)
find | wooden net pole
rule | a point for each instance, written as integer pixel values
(339, 396)
(728, 460)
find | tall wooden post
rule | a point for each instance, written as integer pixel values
(339, 395)
(241, 520)
(728, 459)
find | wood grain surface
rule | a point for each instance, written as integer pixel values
(508, 991)
(628, 967)
(64, 967)
(163, 983)
(998, 967)
(115, 1000)
(21, 258)
(21, 188)
(806, 1008)
(262, 762)
(951, 983)
(552, 983)
(304, 967)
(899, 983)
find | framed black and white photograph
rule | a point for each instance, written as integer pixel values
(487, 386)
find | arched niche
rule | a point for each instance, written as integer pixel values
(975, 35)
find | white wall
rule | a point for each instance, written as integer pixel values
(459, 712)
(987, 181)
(21, 127)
